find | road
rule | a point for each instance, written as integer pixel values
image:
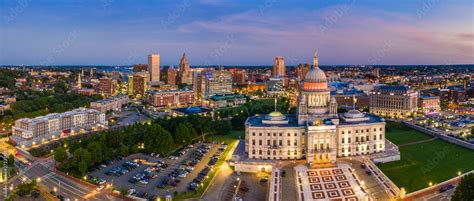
(42, 171)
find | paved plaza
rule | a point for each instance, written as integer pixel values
(337, 183)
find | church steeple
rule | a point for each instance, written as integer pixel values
(79, 82)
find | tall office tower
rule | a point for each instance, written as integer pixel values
(79, 82)
(82, 72)
(139, 85)
(107, 86)
(91, 73)
(377, 72)
(171, 75)
(301, 71)
(184, 71)
(154, 67)
(278, 69)
(130, 85)
(214, 82)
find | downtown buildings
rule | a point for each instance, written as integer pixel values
(31, 131)
(170, 98)
(211, 82)
(113, 103)
(393, 101)
(154, 67)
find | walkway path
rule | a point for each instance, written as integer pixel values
(418, 142)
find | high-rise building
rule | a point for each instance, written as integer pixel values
(278, 69)
(91, 73)
(214, 82)
(238, 76)
(171, 75)
(393, 101)
(139, 84)
(185, 75)
(114, 103)
(107, 86)
(154, 67)
(301, 71)
(377, 72)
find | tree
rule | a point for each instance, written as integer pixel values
(60, 154)
(82, 155)
(123, 150)
(11, 160)
(465, 189)
(165, 143)
(123, 192)
(181, 134)
(96, 149)
(82, 167)
(223, 127)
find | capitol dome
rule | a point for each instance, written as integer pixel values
(275, 116)
(315, 75)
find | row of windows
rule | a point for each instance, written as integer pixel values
(280, 142)
(275, 134)
(260, 152)
(362, 148)
(361, 130)
(362, 138)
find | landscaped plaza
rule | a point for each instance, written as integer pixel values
(424, 161)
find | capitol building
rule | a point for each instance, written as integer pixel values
(316, 132)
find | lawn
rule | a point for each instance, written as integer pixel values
(434, 161)
(233, 135)
(399, 133)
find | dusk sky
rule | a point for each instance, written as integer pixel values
(211, 32)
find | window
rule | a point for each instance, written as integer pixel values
(296, 142)
(375, 137)
(342, 132)
(260, 142)
(375, 146)
(357, 139)
(281, 134)
(380, 136)
(274, 134)
(268, 152)
(274, 143)
(349, 139)
(289, 134)
(253, 134)
(357, 148)
(375, 129)
(259, 134)
(274, 152)
(349, 132)
(253, 142)
(268, 142)
(288, 152)
(367, 138)
(268, 134)
(357, 131)
(295, 153)
(289, 142)
(280, 143)
(380, 146)
(296, 134)
(342, 140)
(260, 152)
(253, 152)
(380, 129)
(367, 130)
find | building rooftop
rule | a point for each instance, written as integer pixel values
(263, 120)
(219, 97)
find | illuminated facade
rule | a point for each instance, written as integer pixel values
(393, 101)
(316, 132)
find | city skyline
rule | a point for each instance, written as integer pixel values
(247, 33)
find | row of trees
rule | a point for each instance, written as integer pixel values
(162, 136)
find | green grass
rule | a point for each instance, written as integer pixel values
(399, 133)
(434, 161)
(232, 136)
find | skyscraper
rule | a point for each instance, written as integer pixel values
(171, 75)
(154, 67)
(301, 71)
(278, 69)
(184, 71)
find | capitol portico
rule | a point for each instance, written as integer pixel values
(316, 132)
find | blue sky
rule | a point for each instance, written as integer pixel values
(116, 32)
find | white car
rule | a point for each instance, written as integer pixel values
(132, 191)
(100, 187)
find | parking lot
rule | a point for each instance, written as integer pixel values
(151, 177)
